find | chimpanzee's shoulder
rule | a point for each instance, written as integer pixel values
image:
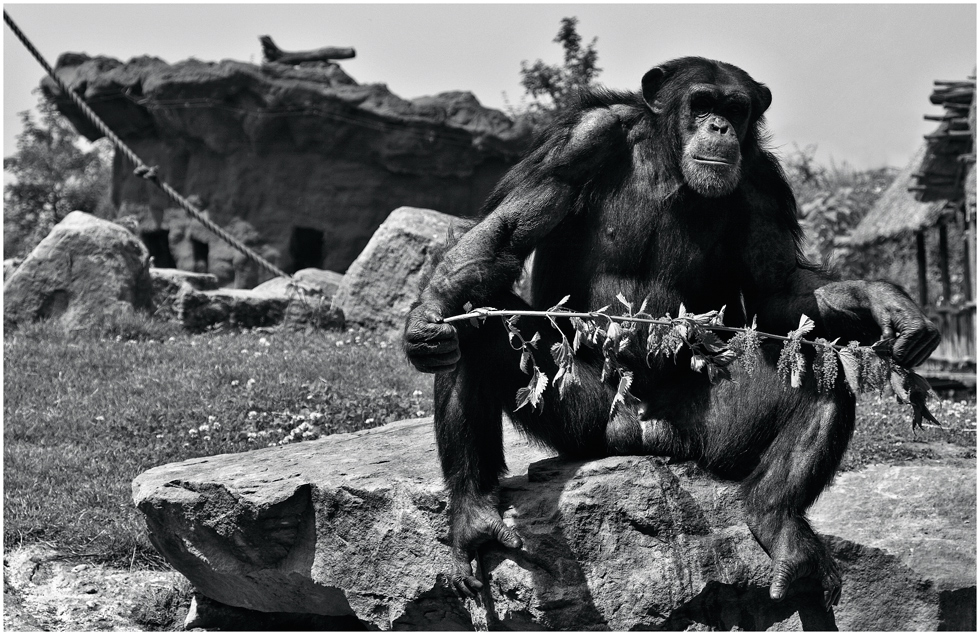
(601, 117)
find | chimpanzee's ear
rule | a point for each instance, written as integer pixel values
(763, 97)
(652, 81)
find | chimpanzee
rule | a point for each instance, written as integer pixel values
(668, 194)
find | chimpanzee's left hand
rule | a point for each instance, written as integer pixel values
(900, 318)
(859, 310)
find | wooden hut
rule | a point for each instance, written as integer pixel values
(936, 191)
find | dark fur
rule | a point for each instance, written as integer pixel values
(602, 200)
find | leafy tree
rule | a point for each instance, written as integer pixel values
(551, 87)
(52, 176)
(832, 201)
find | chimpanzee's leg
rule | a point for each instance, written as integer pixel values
(468, 409)
(469, 402)
(785, 445)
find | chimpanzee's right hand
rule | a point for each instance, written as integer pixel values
(431, 345)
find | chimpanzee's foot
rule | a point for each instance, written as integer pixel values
(473, 522)
(803, 556)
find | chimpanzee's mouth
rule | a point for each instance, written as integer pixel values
(713, 160)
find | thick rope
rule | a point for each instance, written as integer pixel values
(142, 170)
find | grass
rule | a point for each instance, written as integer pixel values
(85, 413)
(884, 432)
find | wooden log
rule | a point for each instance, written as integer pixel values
(273, 53)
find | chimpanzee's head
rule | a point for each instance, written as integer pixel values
(711, 110)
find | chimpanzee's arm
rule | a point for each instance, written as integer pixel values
(780, 285)
(531, 200)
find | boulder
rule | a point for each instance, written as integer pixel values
(236, 308)
(322, 282)
(925, 515)
(85, 272)
(380, 286)
(309, 295)
(168, 284)
(354, 525)
(311, 159)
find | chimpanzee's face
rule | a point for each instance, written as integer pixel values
(714, 120)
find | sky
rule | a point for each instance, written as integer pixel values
(853, 80)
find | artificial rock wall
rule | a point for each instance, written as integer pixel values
(311, 159)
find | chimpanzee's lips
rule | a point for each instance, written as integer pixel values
(713, 160)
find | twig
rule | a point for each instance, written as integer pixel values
(481, 313)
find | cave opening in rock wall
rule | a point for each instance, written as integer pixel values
(158, 244)
(200, 251)
(305, 249)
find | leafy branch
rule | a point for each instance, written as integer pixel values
(865, 368)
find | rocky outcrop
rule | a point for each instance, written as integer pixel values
(380, 286)
(85, 272)
(235, 308)
(354, 525)
(311, 159)
(303, 301)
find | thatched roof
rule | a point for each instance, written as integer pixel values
(897, 213)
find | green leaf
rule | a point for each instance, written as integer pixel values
(699, 363)
(723, 358)
(643, 305)
(716, 373)
(912, 388)
(622, 392)
(561, 352)
(711, 342)
(719, 318)
(535, 339)
(526, 362)
(852, 368)
(539, 381)
(806, 325)
(561, 303)
(628, 305)
(523, 397)
(577, 342)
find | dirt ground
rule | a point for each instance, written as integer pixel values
(44, 591)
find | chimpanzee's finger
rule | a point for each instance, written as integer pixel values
(924, 347)
(436, 363)
(430, 347)
(464, 582)
(915, 347)
(505, 535)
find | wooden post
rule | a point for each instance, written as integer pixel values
(920, 252)
(969, 242)
(944, 262)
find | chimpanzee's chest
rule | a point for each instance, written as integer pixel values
(594, 258)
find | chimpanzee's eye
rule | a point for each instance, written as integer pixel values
(701, 103)
(737, 111)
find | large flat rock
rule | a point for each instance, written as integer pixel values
(355, 524)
